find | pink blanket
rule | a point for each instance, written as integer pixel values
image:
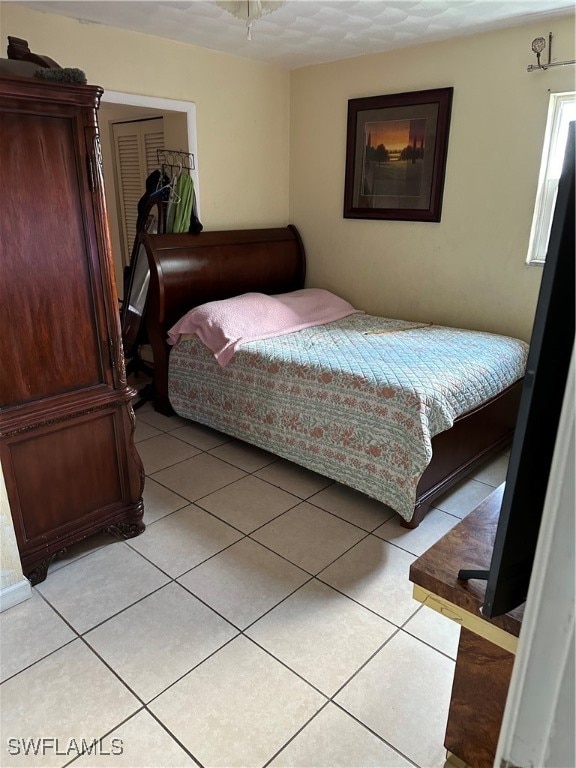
(224, 325)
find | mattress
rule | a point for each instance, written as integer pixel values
(357, 400)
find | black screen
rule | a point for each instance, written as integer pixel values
(549, 356)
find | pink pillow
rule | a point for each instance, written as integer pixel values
(224, 325)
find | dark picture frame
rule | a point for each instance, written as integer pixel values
(396, 151)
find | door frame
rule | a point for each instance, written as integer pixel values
(155, 102)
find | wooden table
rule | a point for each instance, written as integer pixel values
(487, 646)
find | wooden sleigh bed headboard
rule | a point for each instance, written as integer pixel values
(190, 269)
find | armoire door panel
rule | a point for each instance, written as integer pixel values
(66, 424)
(49, 302)
(71, 469)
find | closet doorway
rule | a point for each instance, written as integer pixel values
(132, 129)
(135, 144)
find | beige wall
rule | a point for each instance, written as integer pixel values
(242, 107)
(10, 567)
(257, 124)
(175, 131)
(469, 269)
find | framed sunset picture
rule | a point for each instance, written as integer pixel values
(396, 152)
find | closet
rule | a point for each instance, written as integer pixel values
(135, 144)
(168, 206)
(66, 419)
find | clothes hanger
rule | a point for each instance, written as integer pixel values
(174, 197)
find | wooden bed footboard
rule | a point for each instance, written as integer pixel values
(187, 270)
(474, 438)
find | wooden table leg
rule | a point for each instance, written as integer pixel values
(479, 692)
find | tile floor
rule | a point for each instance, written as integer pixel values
(264, 618)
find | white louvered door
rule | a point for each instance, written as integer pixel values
(135, 145)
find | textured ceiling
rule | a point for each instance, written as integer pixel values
(305, 32)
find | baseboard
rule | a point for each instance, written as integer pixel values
(14, 594)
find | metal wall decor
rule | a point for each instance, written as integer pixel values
(538, 45)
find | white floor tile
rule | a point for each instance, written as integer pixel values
(248, 503)
(321, 635)
(198, 476)
(200, 436)
(40, 626)
(140, 742)
(494, 472)
(375, 574)
(68, 695)
(156, 641)
(99, 585)
(238, 708)
(242, 455)
(353, 506)
(244, 581)
(417, 540)
(403, 694)
(293, 478)
(81, 549)
(164, 451)
(308, 537)
(158, 420)
(228, 701)
(463, 498)
(144, 431)
(184, 539)
(333, 739)
(160, 501)
(436, 630)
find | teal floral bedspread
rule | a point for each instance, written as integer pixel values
(357, 400)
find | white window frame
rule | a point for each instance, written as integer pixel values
(560, 110)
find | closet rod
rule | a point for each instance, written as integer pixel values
(535, 67)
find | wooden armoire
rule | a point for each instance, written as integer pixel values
(66, 419)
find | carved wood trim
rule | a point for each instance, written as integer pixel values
(47, 422)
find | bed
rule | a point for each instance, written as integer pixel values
(299, 397)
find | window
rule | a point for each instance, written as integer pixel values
(561, 111)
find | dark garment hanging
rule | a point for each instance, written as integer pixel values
(151, 184)
(195, 224)
(155, 180)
